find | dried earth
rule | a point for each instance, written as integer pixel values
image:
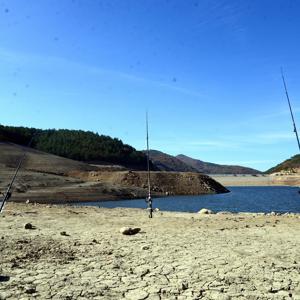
(79, 253)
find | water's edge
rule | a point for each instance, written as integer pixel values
(262, 199)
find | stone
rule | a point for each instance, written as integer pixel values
(205, 211)
(64, 233)
(129, 230)
(30, 289)
(145, 247)
(28, 226)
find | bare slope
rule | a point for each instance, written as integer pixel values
(211, 168)
(39, 161)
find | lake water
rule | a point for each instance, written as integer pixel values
(240, 199)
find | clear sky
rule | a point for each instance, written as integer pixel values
(207, 71)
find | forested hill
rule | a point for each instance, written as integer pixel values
(76, 144)
(288, 165)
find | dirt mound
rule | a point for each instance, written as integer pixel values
(170, 183)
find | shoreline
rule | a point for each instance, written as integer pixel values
(42, 200)
(55, 199)
(257, 180)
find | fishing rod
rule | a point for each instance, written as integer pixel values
(149, 198)
(291, 111)
(8, 193)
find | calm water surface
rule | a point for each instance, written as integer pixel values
(240, 199)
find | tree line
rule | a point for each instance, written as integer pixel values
(79, 145)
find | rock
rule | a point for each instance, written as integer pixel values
(183, 285)
(28, 226)
(129, 230)
(145, 247)
(30, 289)
(64, 233)
(205, 211)
(4, 278)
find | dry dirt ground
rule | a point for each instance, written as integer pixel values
(79, 253)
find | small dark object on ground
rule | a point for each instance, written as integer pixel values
(64, 233)
(30, 289)
(29, 226)
(4, 278)
(129, 230)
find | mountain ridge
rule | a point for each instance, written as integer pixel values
(182, 163)
(212, 168)
(167, 162)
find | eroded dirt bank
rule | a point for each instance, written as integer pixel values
(79, 253)
(103, 185)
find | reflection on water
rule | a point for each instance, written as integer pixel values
(240, 199)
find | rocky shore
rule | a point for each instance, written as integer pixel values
(79, 253)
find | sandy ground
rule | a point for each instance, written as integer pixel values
(79, 253)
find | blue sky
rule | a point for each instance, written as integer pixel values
(207, 71)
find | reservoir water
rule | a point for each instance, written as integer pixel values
(240, 199)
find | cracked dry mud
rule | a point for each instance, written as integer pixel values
(175, 256)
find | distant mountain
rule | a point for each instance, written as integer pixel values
(210, 168)
(182, 163)
(166, 162)
(290, 164)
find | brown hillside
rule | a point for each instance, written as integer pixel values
(39, 161)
